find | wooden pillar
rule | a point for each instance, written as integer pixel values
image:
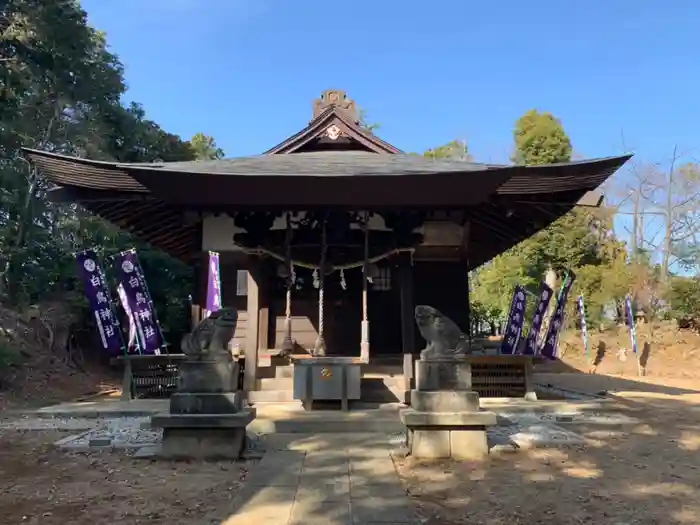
(199, 297)
(466, 231)
(469, 307)
(408, 338)
(264, 279)
(251, 338)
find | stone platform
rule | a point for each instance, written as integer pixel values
(445, 420)
(209, 425)
(203, 436)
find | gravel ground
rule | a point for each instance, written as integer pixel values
(524, 429)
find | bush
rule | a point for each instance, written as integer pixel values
(9, 355)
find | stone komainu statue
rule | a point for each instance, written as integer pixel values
(443, 336)
(212, 335)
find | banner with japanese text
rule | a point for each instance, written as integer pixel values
(514, 324)
(630, 323)
(544, 296)
(97, 293)
(130, 276)
(213, 301)
(551, 342)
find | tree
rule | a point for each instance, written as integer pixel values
(677, 203)
(582, 240)
(371, 127)
(61, 91)
(205, 148)
(540, 139)
(453, 150)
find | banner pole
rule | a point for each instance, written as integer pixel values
(584, 328)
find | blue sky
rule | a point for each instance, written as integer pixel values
(245, 71)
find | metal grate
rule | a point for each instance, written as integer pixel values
(156, 380)
(498, 380)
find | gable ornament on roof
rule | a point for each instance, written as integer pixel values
(333, 132)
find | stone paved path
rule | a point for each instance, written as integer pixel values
(325, 480)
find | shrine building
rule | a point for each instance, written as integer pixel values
(298, 226)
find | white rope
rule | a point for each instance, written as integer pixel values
(319, 347)
(320, 312)
(290, 268)
(264, 251)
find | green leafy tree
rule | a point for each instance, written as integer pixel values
(364, 123)
(582, 240)
(205, 148)
(454, 150)
(61, 90)
(540, 139)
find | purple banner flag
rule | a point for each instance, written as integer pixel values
(631, 323)
(213, 285)
(549, 348)
(132, 345)
(130, 276)
(97, 293)
(514, 325)
(544, 296)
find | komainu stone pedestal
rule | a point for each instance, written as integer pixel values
(207, 417)
(209, 422)
(444, 420)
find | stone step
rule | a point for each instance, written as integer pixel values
(291, 418)
(276, 383)
(284, 371)
(271, 396)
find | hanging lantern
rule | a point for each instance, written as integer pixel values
(343, 284)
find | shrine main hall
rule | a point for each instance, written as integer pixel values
(329, 239)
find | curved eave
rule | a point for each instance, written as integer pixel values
(317, 179)
(156, 222)
(505, 221)
(63, 170)
(577, 175)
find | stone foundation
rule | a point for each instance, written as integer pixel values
(458, 435)
(207, 418)
(445, 420)
(203, 436)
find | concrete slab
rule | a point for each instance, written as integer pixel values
(414, 419)
(257, 505)
(382, 510)
(108, 408)
(324, 490)
(311, 512)
(546, 435)
(324, 479)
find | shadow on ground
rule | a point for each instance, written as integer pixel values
(642, 473)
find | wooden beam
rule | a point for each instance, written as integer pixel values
(75, 194)
(592, 199)
(408, 337)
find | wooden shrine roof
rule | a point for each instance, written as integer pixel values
(333, 162)
(506, 204)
